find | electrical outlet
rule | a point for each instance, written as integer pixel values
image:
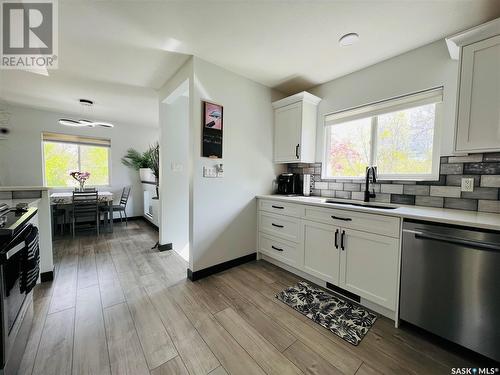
(212, 172)
(467, 184)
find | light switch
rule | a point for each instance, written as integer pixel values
(212, 172)
(176, 167)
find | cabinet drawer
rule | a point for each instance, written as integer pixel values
(281, 208)
(287, 252)
(374, 223)
(278, 225)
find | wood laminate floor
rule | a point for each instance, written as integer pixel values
(118, 307)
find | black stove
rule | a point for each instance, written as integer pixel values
(13, 220)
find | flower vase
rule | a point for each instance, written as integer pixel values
(82, 185)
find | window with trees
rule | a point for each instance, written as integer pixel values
(398, 136)
(67, 153)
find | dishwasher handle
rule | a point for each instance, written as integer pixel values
(453, 240)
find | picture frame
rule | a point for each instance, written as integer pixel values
(212, 130)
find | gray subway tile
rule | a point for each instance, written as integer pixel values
(358, 195)
(429, 201)
(481, 193)
(440, 182)
(456, 179)
(352, 187)
(321, 185)
(335, 186)
(490, 181)
(343, 194)
(482, 168)
(26, 194)
(492, 156)
(391, 189)
(382, 198)
(461, 204)
(315, 192)
(456, 168)
(489, 206)
(445, 191)
(327, 193)
(475, 158)
(373, 187)
(5, 195)
(402, 199)
(416, 190)
(404, 182)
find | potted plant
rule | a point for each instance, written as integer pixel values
(154, 164)
(140, 162)
(147, 163)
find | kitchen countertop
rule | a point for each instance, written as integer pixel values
(23, 188)
(473, 219)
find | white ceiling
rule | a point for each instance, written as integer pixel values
(118, 52)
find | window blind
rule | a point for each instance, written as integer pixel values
(75, 139)
(418, 99)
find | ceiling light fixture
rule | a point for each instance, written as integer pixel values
(348, 39)
(87, 106)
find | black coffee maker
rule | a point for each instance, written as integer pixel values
(289, 184)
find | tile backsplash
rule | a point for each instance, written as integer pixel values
(446, 192)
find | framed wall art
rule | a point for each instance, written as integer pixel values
(213, 116)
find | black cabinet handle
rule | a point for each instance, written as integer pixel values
(297, 151)
(337, 239)
(277, 225)
(277, 248)
(342, 240)
(341, 218)
(278, 207)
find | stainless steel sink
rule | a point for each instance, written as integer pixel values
(361, 204)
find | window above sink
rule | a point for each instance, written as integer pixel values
(400, 136)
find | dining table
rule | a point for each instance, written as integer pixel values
(65, 198)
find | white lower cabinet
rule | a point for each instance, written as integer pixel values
(288, 252)
(369, 266)
(361, 256)
(321, 257)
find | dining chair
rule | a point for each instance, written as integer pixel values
(85, 207)
(121, 207)
(123, 204)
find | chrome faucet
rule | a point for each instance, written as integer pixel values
(373, 173)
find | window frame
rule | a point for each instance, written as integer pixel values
(108, 185)
(436, 146)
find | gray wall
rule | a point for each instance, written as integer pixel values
(21, 153)
(224, 218)
(419, 69)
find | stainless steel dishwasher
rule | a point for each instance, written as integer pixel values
(450, 284)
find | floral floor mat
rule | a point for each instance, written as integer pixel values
(347, 320)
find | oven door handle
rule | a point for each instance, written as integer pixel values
(9, 254)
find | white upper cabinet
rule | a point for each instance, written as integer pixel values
(478, 114)
(295, 128)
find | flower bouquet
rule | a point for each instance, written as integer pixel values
(81, 177)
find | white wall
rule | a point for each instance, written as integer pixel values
(21, 154)
(175, 176)
(224, 209)
(419, 69)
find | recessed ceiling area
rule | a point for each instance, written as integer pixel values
(119, 53)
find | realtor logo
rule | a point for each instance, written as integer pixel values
(29, 34)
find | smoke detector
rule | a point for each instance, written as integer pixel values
(348, 39)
